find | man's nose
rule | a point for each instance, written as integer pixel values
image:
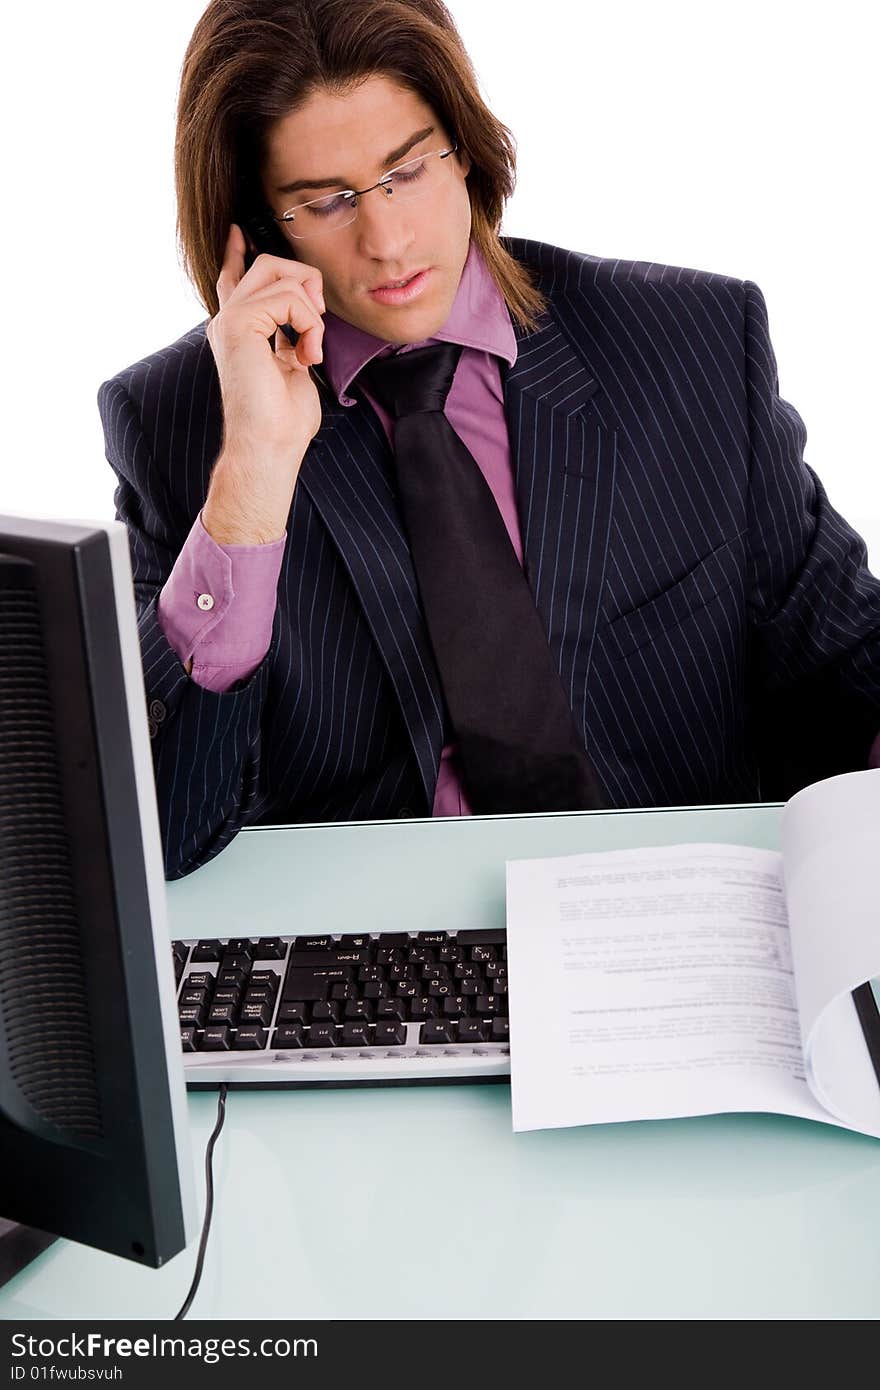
(384, 231)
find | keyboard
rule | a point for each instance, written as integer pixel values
(344, 1010)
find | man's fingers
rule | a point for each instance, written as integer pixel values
(287, 303)
(266, 269)
(232, 269)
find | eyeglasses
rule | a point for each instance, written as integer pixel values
(414, 179)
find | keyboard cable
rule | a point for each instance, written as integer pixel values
(209, 1204)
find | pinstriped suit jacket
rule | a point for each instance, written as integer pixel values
(699, 592)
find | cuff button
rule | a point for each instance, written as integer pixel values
(205, 602)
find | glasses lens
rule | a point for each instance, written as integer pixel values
(322, 215)
(418, 176)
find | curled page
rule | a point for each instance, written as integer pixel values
(831, 872)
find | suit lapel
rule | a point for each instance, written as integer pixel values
(564, 463)
(347, 473)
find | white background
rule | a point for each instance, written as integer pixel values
(738, 138)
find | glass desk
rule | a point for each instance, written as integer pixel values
(419, 1202)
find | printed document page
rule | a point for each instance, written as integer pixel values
(668, 977)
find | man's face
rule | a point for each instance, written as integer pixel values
(350, 137)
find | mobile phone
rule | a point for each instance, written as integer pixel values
(262, 233)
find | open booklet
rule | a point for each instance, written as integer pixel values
(698, 978)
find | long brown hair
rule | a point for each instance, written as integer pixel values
(249, 63)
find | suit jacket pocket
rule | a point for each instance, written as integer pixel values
(710, 576)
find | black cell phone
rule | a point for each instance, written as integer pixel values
(265, 236)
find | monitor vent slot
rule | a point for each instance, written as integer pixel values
(43, 1003)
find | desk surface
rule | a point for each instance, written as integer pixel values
(421, 1202)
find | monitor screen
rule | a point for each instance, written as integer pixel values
(94, 1142)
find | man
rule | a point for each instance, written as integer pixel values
(532, 531)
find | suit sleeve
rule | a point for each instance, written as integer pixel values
(814, 604)
(206, 744)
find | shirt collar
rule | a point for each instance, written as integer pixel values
(479, 318)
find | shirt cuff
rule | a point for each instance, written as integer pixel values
(218, 604)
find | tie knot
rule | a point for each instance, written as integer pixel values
(412, 383)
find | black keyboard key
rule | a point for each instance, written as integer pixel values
(496, 970)
(270, 978)
(355, 943)
(483, 954)
(199, 979)
(230, 977)
(437, 1030)
(250, 1039)
(376, 990)
(256, 1013)
(288, 1035)
(344, 989)
(356, 1035)
(236, 961)
(465, 971)
(360, 1010)
(222, 1013)
(500, 1030)
(207, 950)
(435, 972)
(370, 974)
(423, 1007)
(391, 1010)
(323, 1035)
(327, 1011)
(189, 1038)
(192, 1013)
(311, 943)
(432, 938)
(499, 987)
(193, 996)
(471, 987)
(261, 995)
(228, 995)
(441, 989)
(389, 955)
(482, 936)
(402, 970)
(450, 953)
(294, 1011)
(488, 1005)
(473, 1030)
(179, 950)
(407, 989)
(394, 938)
(217, 1039)
(455, 1006)
(420, 955)
(269, 948)
(240, 946)
(390, 1034)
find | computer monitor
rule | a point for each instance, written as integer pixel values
(94, 1141)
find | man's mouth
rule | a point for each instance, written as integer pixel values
(401, 291)
(398, 284)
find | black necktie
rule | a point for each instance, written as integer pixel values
(519, 745)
